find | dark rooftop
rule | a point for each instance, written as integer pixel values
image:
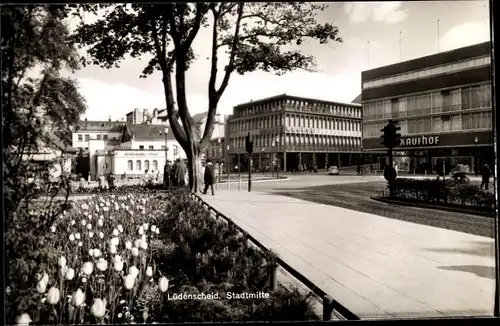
(291, 97)
(148, 132)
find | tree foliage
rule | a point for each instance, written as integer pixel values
(38, 107)
(253, 36)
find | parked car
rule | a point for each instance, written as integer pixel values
(333, 170)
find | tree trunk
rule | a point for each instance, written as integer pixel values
(195, 169)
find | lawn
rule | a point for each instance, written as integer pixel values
(357, 197)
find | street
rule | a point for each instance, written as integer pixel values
(378, 267)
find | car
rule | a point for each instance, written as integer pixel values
(333, 170)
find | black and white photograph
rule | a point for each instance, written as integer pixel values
(196, 162)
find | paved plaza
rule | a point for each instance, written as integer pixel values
(375, 266)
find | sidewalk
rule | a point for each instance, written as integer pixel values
(375, 266)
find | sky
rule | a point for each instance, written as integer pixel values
(371, 32)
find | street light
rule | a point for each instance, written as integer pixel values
(166, 145)
(228, 165)
(277, 157)
(476, 163)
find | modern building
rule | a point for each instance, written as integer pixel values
(125, 148)
(289, 131)
(442, 103)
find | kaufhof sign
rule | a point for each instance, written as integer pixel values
(419, 141)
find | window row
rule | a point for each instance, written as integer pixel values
(139, 165)
(455, 122)
(299, 105)
(87, 137)
(322, 123)
(297, 140)
(270, 121)
(451, 100)
(444, 69)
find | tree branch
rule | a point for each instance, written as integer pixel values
(200, 11)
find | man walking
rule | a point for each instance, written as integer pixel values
(167, 174)
(485, 175)
(181, 173)
(209, 177)
(173, 175)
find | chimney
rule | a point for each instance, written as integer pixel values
(109, 119)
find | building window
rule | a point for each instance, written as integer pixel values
(80, 137)
(437, 102)
(475, 97)
(146, 165)
(130, 165)
(446, 101)
(465, 98)
(456, 99)
(87, 137)
(141, 146)
(151, 147)
(105, 137)
(98, 136)
(486, 96)
(138, 165)
(155, 165)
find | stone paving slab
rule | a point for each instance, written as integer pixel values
(375, 266)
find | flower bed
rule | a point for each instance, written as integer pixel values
(435, 191)
(120, 258)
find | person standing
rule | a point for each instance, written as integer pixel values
(208, 177)
(485, 175)
(101, 181)
(111, 181)
(167, 174)
(181, 173)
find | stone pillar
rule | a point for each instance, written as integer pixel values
(260, 161)
(284, 161)
(350, 159)
(326, 161)
(314, 159)
(300, 158)
(338, 160)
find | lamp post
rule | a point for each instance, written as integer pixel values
(219, 157)
(277, 157)
(166, 145)
(476, 163)
(228, 163)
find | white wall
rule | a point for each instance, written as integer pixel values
(92, 135)
(218, 131)
(121, 158)
(157, 144)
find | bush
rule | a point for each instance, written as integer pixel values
(448, 193)
(128, 251)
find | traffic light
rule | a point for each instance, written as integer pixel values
(249, 144)
(390, 135)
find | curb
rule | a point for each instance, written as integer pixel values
(436, 207)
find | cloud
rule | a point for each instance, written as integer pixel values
(464, 35)
(387, 12)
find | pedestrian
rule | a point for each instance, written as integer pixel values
(111, 181)
(173, 173)
(485, 175)
(181, 173)
(208, 176)
(167, 174)
(101, 181)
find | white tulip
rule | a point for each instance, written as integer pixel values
(53, 229)
(135, 252)
(91, 234)
(41, 286)
(62, 261)
(145, 226)
(53, 296)
(100, 222)
(144, 237)
(88, 268)
(143, 245)
(157, 231)
(77, 298)
(115, 241)
(70, 274)
(128, 281)
(80, 243)
(84, 280)
(120, 228)
(141, 230)
(118, 265)
(101, 235)
(84, 222)
(72, 222)
(24, 320)
(112, 249)
(71, 237)
(128, 245)
(163, 284)
(149, 271)
(98, 308)
(77, 236)
(133, 271)
(153, 228)
(102, 264)
(89, 226)
(137, 242)
(97, 253)
(115, 232)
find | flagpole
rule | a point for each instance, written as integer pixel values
(439, 49)
(368, 54)
(400, 50)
